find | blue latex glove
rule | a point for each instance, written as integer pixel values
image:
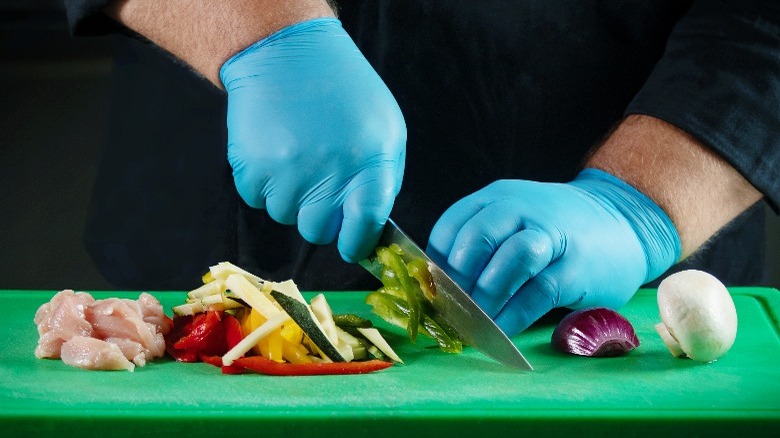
(314, 135)
(522, 248)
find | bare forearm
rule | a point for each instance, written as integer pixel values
(205, 34)
(697, 189)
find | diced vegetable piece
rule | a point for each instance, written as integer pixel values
(361, 352)
(253, 338)
(323, 313)
(304, 317)
(224, 304)
(351, 320)
(392, 260)
(207, 334)
(250, 320)
(223, 270)
(182, 326)
(347, 339)
(294, 353)
(292, 333)
(375, 352)
(251, 295)
(264, 366)
(357, 349)
(232, 332)
(212, 299)
(346, 352)
(288, 288)
(383, 305)
(393, 292)
(217, 362)
(216, 287)
(188, 309)
(273, 348)
(418, 269)
(443, 334)
(379, 341)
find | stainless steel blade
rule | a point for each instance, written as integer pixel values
(454, 305)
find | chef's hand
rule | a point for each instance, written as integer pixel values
(314, 135)
(522, 248)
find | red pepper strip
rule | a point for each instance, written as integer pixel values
(212, 360)
(233, 336)
(202, 327)
(217, 362)
(232, 330)
(182, 326)
(183, 355)
(264, 365)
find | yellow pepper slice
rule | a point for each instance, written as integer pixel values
(250, 320)
(275, 341)
(294, 353)
(292, 333)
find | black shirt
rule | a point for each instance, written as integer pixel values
(489, 90)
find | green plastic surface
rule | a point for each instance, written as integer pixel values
(645, 393)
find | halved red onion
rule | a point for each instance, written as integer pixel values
(595, 332)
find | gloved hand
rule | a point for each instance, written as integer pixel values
(314, 135)
(522, 248)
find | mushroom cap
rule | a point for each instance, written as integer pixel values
(698, 312)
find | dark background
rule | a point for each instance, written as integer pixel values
(54, 91)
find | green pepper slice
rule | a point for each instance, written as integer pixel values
(391, 259)
(351, 320)
(418, 269)
(396, 311)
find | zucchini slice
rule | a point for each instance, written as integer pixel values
(301, 313)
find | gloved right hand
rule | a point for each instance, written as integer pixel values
(314, 135)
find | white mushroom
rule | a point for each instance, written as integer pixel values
(698, 314)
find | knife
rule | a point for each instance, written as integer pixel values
(454, 305)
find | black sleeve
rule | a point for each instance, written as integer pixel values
(86, 17)
(719, 80)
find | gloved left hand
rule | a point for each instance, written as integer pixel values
(522, 248)
(314, 135)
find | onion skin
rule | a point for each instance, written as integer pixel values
(595, 332)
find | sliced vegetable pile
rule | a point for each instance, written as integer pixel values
(240, 322)
(404, 299)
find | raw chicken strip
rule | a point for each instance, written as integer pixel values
(131, 349)
(153, 313)
(122, 318)
(61, 319)
(94, 354)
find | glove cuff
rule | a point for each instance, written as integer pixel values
(653, 227)
(325, 22)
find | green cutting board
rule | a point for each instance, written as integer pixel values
(645, 393)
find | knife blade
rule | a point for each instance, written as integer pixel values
(454, 305)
